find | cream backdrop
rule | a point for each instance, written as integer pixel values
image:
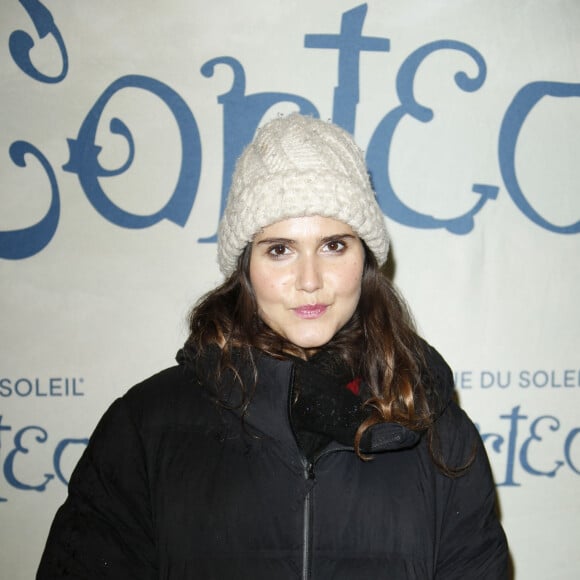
(118, 129)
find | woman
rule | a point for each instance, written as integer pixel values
(307, 431)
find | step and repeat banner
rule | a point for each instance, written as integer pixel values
(119, 129)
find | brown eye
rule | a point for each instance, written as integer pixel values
(335, 246)
(277, 250)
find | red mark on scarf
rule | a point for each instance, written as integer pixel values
(354, 386)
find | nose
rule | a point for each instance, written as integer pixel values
(308, 274)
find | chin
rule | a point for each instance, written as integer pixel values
(310, 340)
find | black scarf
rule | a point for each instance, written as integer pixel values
(326, 403)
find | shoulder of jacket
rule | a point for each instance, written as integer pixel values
(437, 377)
(172, 396)
(458, 436)
(168, 382)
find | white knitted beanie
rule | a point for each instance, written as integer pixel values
(299, 166)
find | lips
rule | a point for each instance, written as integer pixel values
(310, 311)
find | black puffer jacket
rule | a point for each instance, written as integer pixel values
(173, 486)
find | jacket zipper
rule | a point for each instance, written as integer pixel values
(308, 511)
(308, 473)
(307, 524)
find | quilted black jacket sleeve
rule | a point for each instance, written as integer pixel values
(105, 528)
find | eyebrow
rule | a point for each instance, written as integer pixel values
(289, 241)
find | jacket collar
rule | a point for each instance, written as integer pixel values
(268, 410)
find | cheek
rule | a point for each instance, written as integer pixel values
(269, 287)
(348, 282)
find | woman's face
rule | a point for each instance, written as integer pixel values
(306, 274)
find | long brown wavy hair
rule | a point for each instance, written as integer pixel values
(379, 344)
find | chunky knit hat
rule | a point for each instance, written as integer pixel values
(299, 166)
